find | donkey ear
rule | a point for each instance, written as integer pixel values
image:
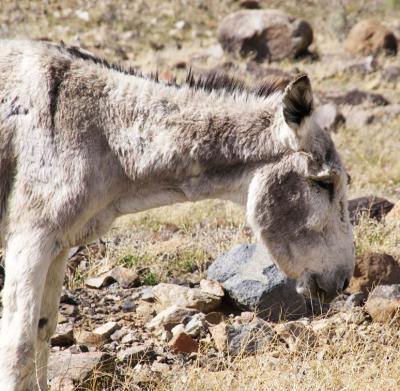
(297, 101)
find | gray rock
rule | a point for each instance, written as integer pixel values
(242, 338)
(254, 283)
(78, 367)
(135, 354)
(264, 34)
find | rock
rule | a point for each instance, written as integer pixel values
(212, 287)
(296, 335)
(145, 310)
(394, 214)
(196, 325)
(357, 97)
(169, 318)
(69, 310)
(182, 342)
(219, 334)
(329, 117)
(254, 283)
(64, 336)
(128, 338)
(135, 354)
(264, 34)
(119, 334)
(242, 338)
(373, 207)
(384, 302)
(250, 4)
(373, 269)
(171, 294)
(148, 294)
(128, 305)
(78, 367)
(179, 328)
(348, 302)
(125, 277)
(371, 37)
(84, 337)
(106, 329)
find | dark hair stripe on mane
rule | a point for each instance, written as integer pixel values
(211, 81)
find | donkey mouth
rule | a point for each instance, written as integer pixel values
(315, 288)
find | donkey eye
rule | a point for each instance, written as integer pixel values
(326, 185)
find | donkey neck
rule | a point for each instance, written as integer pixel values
(179, 132)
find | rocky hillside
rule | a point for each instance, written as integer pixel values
(180, 298)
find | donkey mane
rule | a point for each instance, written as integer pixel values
(211, 81)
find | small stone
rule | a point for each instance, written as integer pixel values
(106, 329)
(147, 294)
(125, 277)
(171, 294)
(179, 328)
(212, 287)
(184, 343)
(219, 334)
(169, 318)
(84, 337)
(68, 310)
(119, 334)
(64, 336)
(78, 367)
(128, 305)
(195, 325)
(384, 302)
(135, 354)
(128, 338)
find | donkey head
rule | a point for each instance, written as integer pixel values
(297, 206)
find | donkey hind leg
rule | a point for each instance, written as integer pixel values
(27, 260)
(49, 315)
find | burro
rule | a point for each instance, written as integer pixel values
(83, 142)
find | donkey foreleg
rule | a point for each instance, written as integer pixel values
(49, 315)
(27, 260)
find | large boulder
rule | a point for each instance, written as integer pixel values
(265, 34)
(371, 37)
(254, 283)
(374, 269)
